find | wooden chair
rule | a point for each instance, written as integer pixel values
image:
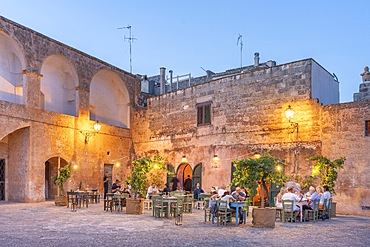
(207, 210)
(188, 203)
(160, 208)
(224, 216)
(288, 211)
(147, 204)
(153, 204)
(72, 200)
(326, 208)
(279, 211)
(178, 207)
(312, 213)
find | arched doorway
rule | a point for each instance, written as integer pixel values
(184, 171)
(51, 172)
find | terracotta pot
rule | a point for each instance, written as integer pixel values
(134, 206)
(60, 201)
(264, 217)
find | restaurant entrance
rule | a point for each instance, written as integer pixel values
(2, 179)
(184, 171)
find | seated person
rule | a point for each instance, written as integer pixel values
(292, 196)
(116, 186)
(238, 195)
(197, 191)
(312, 197)
(166, 189)
(152, 190)
(326, 195)
(228, 198)
(279, 203)
(222, 190)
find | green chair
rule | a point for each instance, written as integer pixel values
(312, 213)
(153, 204)
(188, 203)
(326, 208)
(207, 210)
(279, 211)
(177, 207)
(160, 208)
(288, 211)
(224, 216)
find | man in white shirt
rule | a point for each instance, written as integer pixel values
(291, 196)
(152, 190)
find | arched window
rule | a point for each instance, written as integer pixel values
(109, 99)
(11, 77)
(58, 85)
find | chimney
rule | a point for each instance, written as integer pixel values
(256, 59)
(162, 80)
(171, 74)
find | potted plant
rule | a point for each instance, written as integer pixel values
(139, 181)
(327, 170)
(249, 173)
(63, 174)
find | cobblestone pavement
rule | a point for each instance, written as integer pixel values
(43, 224)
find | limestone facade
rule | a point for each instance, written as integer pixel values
(51, 95)
(46, 111)
(248, 116)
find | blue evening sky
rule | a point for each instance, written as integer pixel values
(186, 35)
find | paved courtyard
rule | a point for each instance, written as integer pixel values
(43, 224)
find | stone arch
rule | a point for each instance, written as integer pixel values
(109, 99)
(12, 64)
(58, 85)
(14, 151)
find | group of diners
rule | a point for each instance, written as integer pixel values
(154, 190)
(314, 194)
(118, 187)
(225, 195)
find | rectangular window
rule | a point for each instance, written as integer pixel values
(367, 128)
(204, 113)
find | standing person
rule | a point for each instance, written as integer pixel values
(197, 190)
(187, 184)
(175, 181)
(106, 184)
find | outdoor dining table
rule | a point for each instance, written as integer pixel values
(169, 200)
(300, 204)
(237, 205)
(81, 197)
(203, 196)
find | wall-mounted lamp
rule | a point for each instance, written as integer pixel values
(88, 134)
(215, 161)
(289, 114)
(216, 158)
(184, 160)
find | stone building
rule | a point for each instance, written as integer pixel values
(51, 95)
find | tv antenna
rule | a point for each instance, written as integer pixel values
(240, 41)
(130, 40)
